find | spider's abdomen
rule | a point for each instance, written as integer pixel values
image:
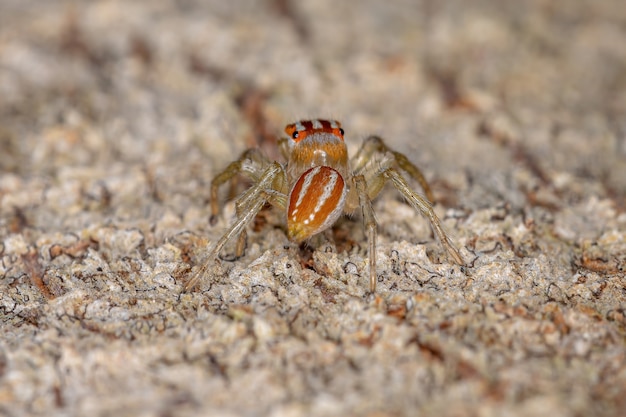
(315, 202)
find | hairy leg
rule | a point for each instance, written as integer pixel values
(276, 197)
(251, 163)
(423, 206)
(249, 205)
(376, 175)
(369, 223)
(374, 146)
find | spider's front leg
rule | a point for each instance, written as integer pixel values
(270, 188)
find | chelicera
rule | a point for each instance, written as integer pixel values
(316, 185)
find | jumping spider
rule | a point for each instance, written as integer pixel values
(316, 185)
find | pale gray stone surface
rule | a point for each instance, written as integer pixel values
(115, 115)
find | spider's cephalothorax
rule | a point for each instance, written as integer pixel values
(317, 184)
(315, 143)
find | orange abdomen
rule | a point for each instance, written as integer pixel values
(315, 202)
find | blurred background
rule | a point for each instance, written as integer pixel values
(479, 87)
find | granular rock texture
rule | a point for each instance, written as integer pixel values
(115, 115)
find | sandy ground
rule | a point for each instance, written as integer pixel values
(115, 115)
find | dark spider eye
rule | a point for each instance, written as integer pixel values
(295, 135)
(341, 131)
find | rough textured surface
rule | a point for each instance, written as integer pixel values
(114, 115)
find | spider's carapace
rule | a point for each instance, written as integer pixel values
(317, 183)
(315, 143)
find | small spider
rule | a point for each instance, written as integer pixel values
(316, 185)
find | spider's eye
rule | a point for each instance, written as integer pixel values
(295, 135)
(341, 131)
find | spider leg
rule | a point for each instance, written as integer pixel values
(251, 163)
(369, 223)
(422, 205)
(369, 180)
(374, 145)
(268, 189)
(243, 204)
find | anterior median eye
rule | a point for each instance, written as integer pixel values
(295, 135)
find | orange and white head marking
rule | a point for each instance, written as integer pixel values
(300, 130)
